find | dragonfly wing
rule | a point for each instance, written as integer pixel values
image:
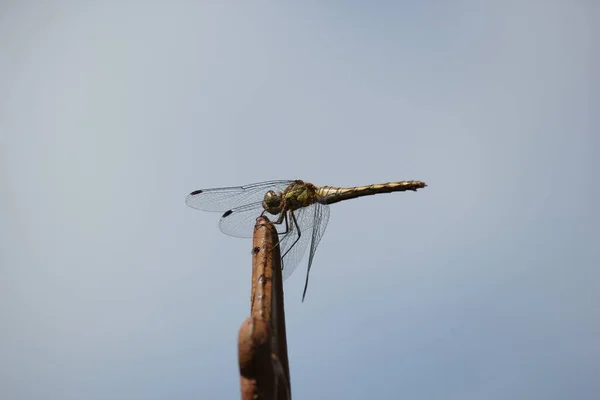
(292, 250)
(321, 219)
(240, 221)
(293, 246)
(223, 199)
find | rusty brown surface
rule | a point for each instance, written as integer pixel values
(254, 354)
(262, 345)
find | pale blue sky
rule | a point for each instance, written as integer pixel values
(484, 285)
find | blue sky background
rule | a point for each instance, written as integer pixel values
(484, 285)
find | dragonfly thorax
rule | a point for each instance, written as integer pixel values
(299, 194)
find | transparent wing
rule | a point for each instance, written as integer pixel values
(321, 215)
(293, 246)
(240, 221)
(223, 199)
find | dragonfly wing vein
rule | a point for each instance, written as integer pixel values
(240, 221)
(322, 216)
(294, 252)
(223, 199)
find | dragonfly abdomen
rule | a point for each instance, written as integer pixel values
(332, 194)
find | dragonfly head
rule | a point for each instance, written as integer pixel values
(272, 202)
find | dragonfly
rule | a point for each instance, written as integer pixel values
(299, 210)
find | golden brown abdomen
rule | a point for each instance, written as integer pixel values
(332, 194)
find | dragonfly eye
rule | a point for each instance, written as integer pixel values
(272, 202)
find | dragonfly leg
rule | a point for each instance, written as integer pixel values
(297, 229)
(283, 217)
(287, 232)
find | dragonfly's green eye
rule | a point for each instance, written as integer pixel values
(272, 202)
